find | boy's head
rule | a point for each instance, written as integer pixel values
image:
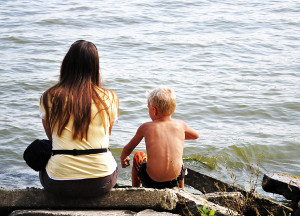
(163, 99)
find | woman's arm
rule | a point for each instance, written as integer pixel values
(47, 129)
(114, 110)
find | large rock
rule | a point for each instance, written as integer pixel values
(121, 198)
(288, 186)
(249, 205)
(147, 212)
(34, 201)
(189, 204)
(217, 191)
(207, 184)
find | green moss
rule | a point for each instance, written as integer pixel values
(298, 177)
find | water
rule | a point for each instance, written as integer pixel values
(235, 66)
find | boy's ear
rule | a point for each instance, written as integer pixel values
(155, 111)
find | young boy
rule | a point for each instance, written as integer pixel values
(162, 166)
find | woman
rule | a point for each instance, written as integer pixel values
(78, 114)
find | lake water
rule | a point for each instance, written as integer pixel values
(235, 67)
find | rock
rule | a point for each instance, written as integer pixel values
(297, 212)
(144, 201)
(213, 187)
(147, 212)
(121, 198)
(285, 185)
(207, 184)
(150, 212)
(72, 213)
(232, 199)
(266, 206)
(188, 205)
(248, 205)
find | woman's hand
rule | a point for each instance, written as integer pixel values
(125, 162)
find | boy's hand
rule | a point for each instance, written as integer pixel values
(125, 162)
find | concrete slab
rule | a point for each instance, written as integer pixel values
(121, 198)
(146, 212)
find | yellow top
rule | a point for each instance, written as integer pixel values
(83, 166)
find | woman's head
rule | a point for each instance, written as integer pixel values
(163, 99)
(81, 64)
(77, 88)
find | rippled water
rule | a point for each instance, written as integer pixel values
(235, 66)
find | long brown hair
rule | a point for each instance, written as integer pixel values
(79, 85)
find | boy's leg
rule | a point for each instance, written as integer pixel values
(181, 184)
(181, 177)
(138, 159)
(134, 178)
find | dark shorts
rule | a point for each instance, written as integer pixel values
(140, 164)
(79, 188)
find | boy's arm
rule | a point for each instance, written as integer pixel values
(190, 133)
(125, 160)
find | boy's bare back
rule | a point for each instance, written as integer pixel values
(164, 140)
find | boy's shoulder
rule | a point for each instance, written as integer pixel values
(147, 124)
(143, 128)
(178, 121)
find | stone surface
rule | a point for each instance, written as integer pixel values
(249, 205)
(34, 201)
(287, 186)
(121, 198)
(225, 199)
(207, 184)
(146, 212)
(141, 201)
(193, 201)
(71, 213)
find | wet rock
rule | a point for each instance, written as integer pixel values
(207, 184)
(285, 185)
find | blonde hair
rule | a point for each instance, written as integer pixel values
(163, 98)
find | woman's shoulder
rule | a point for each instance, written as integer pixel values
(50, 91)
(110, 94)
